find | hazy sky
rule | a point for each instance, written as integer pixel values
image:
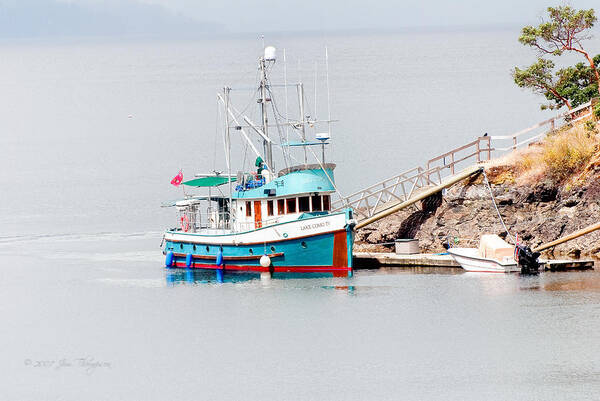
(72, 17)
(250, 15)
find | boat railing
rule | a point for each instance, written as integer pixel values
(252, 225)
(193, 220)
(196, 220)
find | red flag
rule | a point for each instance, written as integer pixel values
(177, 179)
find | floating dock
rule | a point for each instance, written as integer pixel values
(566, 265)
(370, 260)
(373, 260)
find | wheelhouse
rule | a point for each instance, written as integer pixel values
(259, 200)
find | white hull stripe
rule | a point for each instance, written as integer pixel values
(279, 232)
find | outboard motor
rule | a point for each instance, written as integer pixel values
(528, 260)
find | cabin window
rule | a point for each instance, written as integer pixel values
(270, 208)
(316, 203)
(248, 209)
(291, 205)
(304, 204)
(326, 202)
(280, 206)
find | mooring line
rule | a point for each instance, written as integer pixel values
(496, 207)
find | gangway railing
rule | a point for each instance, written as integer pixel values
(401, 188)
(541, 129)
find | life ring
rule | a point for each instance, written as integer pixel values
(185, 223)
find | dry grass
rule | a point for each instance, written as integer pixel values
(559, 157)
(530, 166)
(568, 153)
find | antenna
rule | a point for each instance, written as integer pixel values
(268, 56)
(226, 91)
(287, 132)
(300, 88)
(315, 106)
(328, 99)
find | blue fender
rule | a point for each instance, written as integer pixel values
(220, 258)
(169, 259)
(188, 260)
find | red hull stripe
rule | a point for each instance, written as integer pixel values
(276, 269)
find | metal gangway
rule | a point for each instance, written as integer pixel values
(405, 189)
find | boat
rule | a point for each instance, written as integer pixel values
(261, 219)
(494, 255)
(470, 260)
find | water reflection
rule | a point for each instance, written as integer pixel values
(349, 289)
(415, 270)
(198, 276)
(193, 276)
(563, 281)
(490, 284)
(569, 283)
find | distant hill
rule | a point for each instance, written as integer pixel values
(43, 18)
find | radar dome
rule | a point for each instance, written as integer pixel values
(270, 53)
(322, 136)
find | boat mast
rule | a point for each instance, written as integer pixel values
(226, 91)
(303, 130)
(328, 104)
(268, 149)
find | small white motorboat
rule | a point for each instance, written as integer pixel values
(470, 260)
(494, 256)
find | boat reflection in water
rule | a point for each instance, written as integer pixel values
(175, 277)
(194, 276)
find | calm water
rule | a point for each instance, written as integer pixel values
(88, 311)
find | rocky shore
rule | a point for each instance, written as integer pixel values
(538, 213)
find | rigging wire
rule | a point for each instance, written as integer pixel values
(279, 130)
(217, 122)
(316, 76)
(245, 155)
(287, 135)
(325, 171)
(250, 102)
(315, 156)
(487, 183)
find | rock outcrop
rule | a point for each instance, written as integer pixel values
(538, 213)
